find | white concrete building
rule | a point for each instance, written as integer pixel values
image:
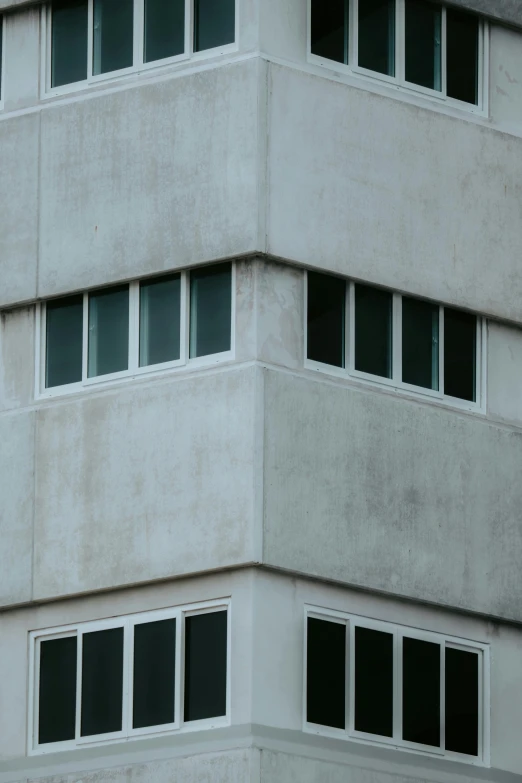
(261, 391)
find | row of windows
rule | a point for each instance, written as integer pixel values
(157, 322)
(411, 42)
(374, 333)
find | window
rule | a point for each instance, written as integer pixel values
(374, 334)
(418, 44)
(2, 27)
(143, 674)
(118, 330)
(395, 685)
(91, 38)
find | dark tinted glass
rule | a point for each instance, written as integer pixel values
(210, 310)
(423, 53)
(421, 692)
(329, 29)
(462, 701)
(108, 331)
(325, 319)
(373, 682)
(462, 55)
(326, 673)
(69, 42)
(164, 34)
(377, 35)
(102, 682)
(153, 676)
(214, 23)
(373, 331)
(205, 666)
(420, 343)
(64, 326)
(460, 350)
(112, 35)
(160, 320)
(57, 695)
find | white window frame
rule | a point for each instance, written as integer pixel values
(127, 623)
(3, 18)
(350, 621)
(396, 383)
(134, 370)
(398, 82)
(138, 66)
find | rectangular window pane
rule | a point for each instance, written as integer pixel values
(421, 692)
(374, 682)
(329, 29)
(420, 343)
(214, 23)
(373, 331)
(460, 354)
(325, 319)
(153, 676)
(113, 35)
(160, 320)
(102, 682)
(57, 693)
(462, 44)
(210, 310)
(423, 39)
(164, 34)
(68, 41)
(377, 35)
(462, 701)
(326, 673)
(205, 665)
(64, 330)
(109, 331)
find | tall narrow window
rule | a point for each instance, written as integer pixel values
(460, 350)
(325, 319)
(421, 692)
(205, 665)
(64, 329)
(69, 20)
(462, 701)
(108, 331)
(210, 310)
(326, 673)
(160, 320)
(423, 43)
(214, 23)
(153, 675)
(57, 695)
(113, 35)
(373, 331)
(102, 682)
(164, 29)
(373, 682)
(462, 55)
(377, 35)
(420, 343)
(330, 29)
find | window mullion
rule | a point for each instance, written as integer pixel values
(138, 33)
(355, 33)
(79, 654)
(346, 32)
(397, 685)
(441, 351)
(347, 678)
(85, 347)
(397, 338)
(443, 54)
(350, 321)
(400, 41)
(126, 702)
(351, 685)
(90, 38)
(443, 696)
(134, 326)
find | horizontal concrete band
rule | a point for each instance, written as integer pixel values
(509, 11)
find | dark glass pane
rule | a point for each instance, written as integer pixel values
(57, 695)
(377, 35)
(462, 42)
(164, 34)
(102, 682)
(460, 354)
(373, 331)
(112, 35)
(214, 23)
(326, 673)
(420, 343)
(423, 51)
(205, 666)
(329, 29)
(160, 320)
(421, 692)
(325, 319)
(153, 677)
(108, 331)
(64, 327)
(462, 701)
(374, 682)
(69, 42)
(210, 310)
